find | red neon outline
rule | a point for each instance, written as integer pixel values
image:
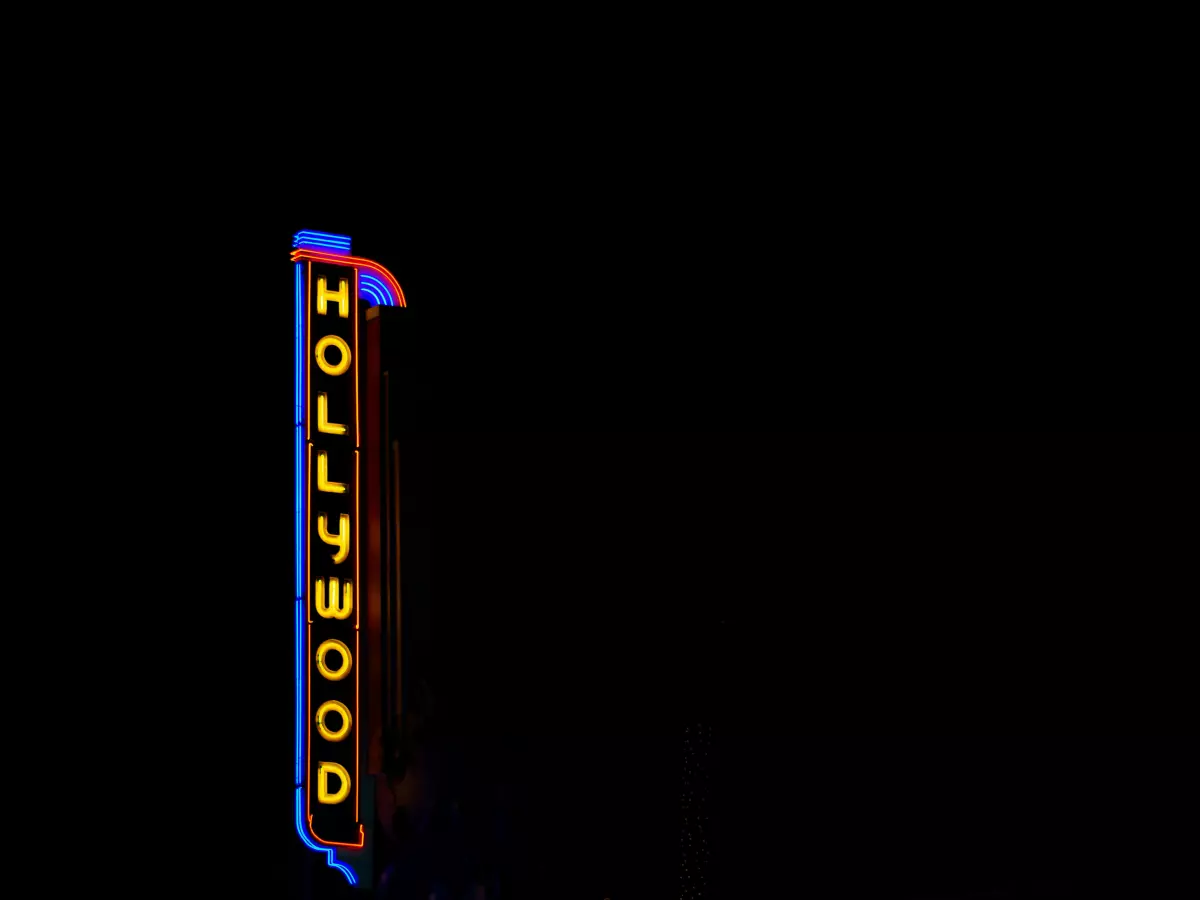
(317, 256)
(307, 613)
(357, 574)
(357, 657)
(357, 436)
(308, 762)
(357, 610)
(357, 633)
(358, 846)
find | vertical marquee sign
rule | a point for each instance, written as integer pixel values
(330, 287)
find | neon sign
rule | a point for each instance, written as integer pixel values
(329, 284)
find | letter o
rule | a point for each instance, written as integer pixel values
(341, 648)
(324, 344)
(341, 710)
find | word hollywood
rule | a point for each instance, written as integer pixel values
(329, 284)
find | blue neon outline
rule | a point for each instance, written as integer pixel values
(376, 282)
(299, 431)
(324, 234)
(321, 240)
(372, 294)
(380, 286)
(324, 248)
(365, 283)
(328, 240)
(331, 858)
(316, 242)
(319, 236)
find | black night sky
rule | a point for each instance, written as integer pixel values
(857, 508)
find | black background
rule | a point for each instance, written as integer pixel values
(936, 662)
(861, 490)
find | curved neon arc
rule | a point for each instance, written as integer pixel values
(379, 301)
(371, 291)
(378, 287)
(370, 265)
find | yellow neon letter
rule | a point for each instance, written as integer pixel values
(339, 708)
(333, 609)
(323, 424)
(341, 540)
(343, 669)
(341, 295)
(323, 770)
(324, 344)
(323, 482)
